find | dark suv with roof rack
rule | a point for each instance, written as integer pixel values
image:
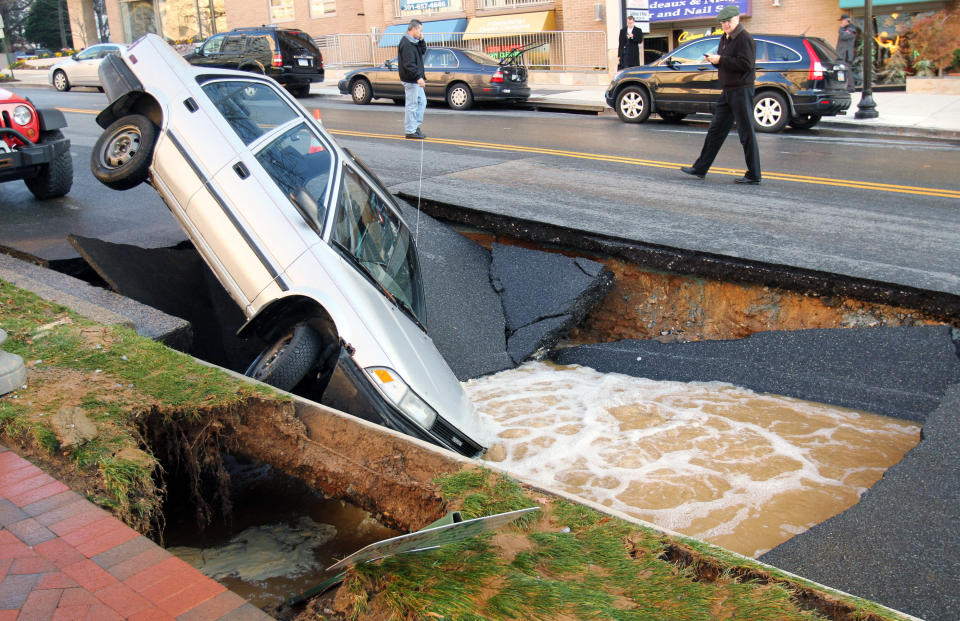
(288, 56)
(799, 80)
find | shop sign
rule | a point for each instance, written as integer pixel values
(679, 10)
(684, 36)
(423, 5)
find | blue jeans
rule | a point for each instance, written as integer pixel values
(416, 103)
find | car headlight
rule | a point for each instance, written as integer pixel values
(22, 115)
(400, 394)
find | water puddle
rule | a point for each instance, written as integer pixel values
(743, 470)
(281, 538)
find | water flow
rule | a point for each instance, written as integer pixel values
(742, 470)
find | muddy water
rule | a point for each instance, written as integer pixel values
(280, 540)
(739, 469)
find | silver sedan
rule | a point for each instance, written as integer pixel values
(81, 69)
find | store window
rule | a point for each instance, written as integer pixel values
(323, 8)
(281, 10)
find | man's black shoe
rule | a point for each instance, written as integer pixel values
(691, 171)
(415, 136)
(747, 181)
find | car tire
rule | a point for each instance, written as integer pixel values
(398, 101)
(123, 153)
(299, 90)
(672, 117)
(459, 96)
(770, 112)
(56, 178)
(361, 92)
(633, 105)
(284, 363)
(804, 122)
(60, 81)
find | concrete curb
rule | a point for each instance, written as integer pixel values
(12, 371)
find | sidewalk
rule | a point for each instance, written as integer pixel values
(61, 557)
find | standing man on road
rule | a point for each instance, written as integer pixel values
(736, 57)
(410, 63)
(847, 48)
(628, 54)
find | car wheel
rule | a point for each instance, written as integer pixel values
(460, 97)
(56, 178)
(299, 90)
(287, 361)
(804, 122)
(398, 101)
(672, 117)
(60, 81)
(633, 105)
(361, 92)
(122, 154)
(770, 112)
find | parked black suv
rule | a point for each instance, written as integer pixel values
(799, 80)
(287, 56)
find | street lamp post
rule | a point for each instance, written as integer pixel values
(867, 109)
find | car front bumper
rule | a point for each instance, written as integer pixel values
(344, 87)
(823, 104)
(24, 161)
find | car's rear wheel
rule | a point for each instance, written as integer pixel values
(60, 81)
(299, 90)
(805, 121)
(122, 154)
(361, 91)
(398, 101)
(56, 178)
(284, 363)
(633, 105)
(460, 97)
(672, 117)
(770, 112)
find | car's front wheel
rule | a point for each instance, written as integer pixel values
(633, 105)
(770, 112)
(60, 81)
(361, 92)
(460, 97)
(122, 154)
(56, 178)
(805, 121)
(284, 363)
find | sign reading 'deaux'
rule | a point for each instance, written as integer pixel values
(678, 10)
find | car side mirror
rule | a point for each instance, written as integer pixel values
(388, 64)
(198, 49)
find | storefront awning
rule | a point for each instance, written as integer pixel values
(433, 32)
(858, 4)
(510, 24)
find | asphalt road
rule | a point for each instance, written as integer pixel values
(866, 206)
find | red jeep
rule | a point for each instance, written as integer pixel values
(33, 148)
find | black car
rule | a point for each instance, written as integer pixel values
(456, 76)
(288, 56)
(799, 80)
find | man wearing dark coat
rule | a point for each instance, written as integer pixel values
(847, 48)
(628, 54)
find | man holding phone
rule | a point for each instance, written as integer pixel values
(735, 59)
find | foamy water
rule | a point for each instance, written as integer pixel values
(742, 470)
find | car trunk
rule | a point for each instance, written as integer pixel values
(302, 55)
(835, 71)
(514, 74)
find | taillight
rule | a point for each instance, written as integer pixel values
(277, 60)
(497, 77)
(816, 68)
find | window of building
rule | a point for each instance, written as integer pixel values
(281, 10)
(323, 8)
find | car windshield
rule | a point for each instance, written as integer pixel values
(692, 54)
(299, 164)
(251, 108)
(378, 242)
(480, 59)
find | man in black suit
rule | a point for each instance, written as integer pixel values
(628, 54)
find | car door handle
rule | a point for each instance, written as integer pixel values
(241, 169)
(759, 68)
(705, 68)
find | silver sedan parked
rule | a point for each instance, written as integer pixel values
(304, 238)
(81, 69)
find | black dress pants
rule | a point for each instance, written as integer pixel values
(735, 104)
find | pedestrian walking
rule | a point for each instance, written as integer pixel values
(847, 48)
(410, 63)
(628, 54)
(736, 59)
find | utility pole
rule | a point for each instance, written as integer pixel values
(63, 31)
(867, 109)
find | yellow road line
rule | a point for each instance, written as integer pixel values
(79, 110)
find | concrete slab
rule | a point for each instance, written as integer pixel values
(898, 545)
(13, 373)
(901, 372)
(95, 303)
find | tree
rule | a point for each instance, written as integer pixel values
(43, 24)
(935, 38)
(14, 13)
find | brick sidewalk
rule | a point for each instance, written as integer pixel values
(61, 557)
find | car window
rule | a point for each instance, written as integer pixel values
(480, 59)
(232, 44)
(90, 52)
(110, 50)
(251, 108)
(439, 59)
(768, 51)
(825, 51)
(370, 231)
(259, 45)
(299, 163)
(693, 53)
(213, 45)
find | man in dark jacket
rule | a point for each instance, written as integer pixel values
(736, 57)
(410, 63)
(628, 54)
(847, 48)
